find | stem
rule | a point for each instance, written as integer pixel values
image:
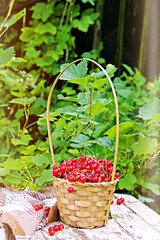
(26, 111)
(22, 179)
(28, 126)
(27, 172)
(8, 14)
(90, 103)
(152, 158)
(63, 15)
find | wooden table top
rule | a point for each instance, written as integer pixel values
(132, 220)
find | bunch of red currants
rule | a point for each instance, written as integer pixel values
(56, 228)
(85, 169)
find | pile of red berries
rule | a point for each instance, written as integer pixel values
(85, 170)
(53, 229)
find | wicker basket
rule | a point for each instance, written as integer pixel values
(89, 205)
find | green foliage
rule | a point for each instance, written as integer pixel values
(20, 95)
(82, 111)
(49, 38)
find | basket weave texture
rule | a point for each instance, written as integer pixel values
(88, 206)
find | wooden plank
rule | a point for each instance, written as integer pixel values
(111, 231)
(144, 212)
(131, 221)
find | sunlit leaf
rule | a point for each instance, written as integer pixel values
(23, 101)
(127, 182)
(144, 146)
(6, 56)
(46, 28)
(147, 111)
(74, 72)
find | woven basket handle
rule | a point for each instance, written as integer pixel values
(116, 108)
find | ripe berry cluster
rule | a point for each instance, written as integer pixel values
(85, 170)
(39, 206)
(53, 229)
(119, 201)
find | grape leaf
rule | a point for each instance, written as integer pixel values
(74, 71)
(147, 111)
(6, 56)
(46, 28)
(124, 127)
(144, 146)
(96, 108)
(41, 159)
(127, 182)
(46, 177)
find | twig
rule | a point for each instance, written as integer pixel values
(8, 14)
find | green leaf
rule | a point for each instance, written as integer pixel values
(127, 182)
(46, 28)
(154, 119)
(81, 81)
(70, 99)
(13, 164)
(23, 101)
(96, 108)
(124, 127)
(6, 56)
(103, 141)
(23, 139)
(83, 24)
(74, 71)
(15, 18)
(27, 34)
(99, 83)
(14, 179)
(29, 150)
(4, 171)
(129, 69)
(80, 142)
(153, 187)
(99, 129)
(90, 1)
(148, 110)
(46, 177)
(41, 11)
(144, 146)
(41, 159)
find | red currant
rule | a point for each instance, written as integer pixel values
(56, 228)
(82, 179)
(95, 179)
(46, 210)
(71, 178)
(51, 232)
(120, 201)
(56, 172)
(70, 189)
(61, 226)
(117, 175)
(83, 158)
(38, 207)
